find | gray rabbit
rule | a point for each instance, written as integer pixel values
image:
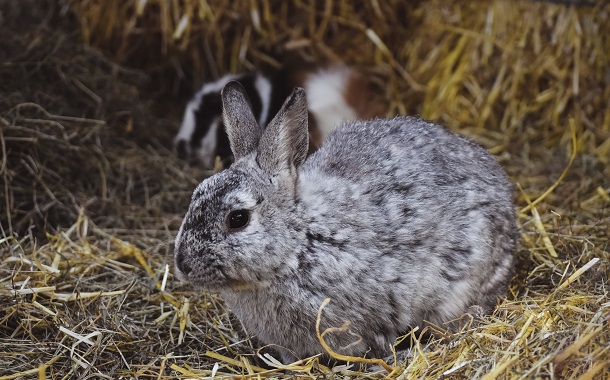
(397, 221)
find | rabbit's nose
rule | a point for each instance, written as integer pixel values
(181, 265)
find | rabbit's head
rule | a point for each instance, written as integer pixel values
(239, 222)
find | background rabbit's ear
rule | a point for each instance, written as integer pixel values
(242, 128)
(285, 140)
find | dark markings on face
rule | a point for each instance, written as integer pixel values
(197, 219)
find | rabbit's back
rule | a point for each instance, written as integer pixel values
(381, 148)
(428, 211)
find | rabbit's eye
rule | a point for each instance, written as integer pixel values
(238, 219)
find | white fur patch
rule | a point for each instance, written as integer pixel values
(325, 98)
(455, 303)
(263, 86)
(205, 153)
(215, 86)
(242, 199)
(188, 122)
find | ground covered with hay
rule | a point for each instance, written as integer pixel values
(91, 195)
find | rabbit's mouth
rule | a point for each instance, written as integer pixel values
(220, 281)
(219, 286)
(235, 284)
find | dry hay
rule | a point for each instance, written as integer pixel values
(92, 196)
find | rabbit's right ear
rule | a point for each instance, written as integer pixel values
(242, 128)
(285, 141)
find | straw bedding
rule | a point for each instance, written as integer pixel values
(92, 195)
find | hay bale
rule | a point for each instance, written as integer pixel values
(85, 159)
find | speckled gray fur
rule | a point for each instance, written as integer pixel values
(397, 221)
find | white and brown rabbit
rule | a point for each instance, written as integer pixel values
(336, 93)
(397, 221)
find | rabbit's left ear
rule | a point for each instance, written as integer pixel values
(285, 141)
(243, 130)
